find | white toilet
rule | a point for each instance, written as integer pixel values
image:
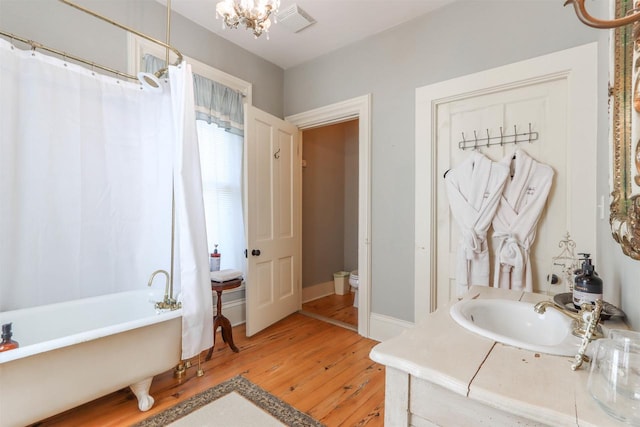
(353, 281)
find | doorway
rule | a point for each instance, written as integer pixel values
(356, 108)
(330, 223)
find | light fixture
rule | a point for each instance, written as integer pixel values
(253, 14)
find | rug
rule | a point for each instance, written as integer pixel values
(237, 401)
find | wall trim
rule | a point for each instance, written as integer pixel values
(381, 327)
(235, 311)
(384, 327)
(355, 108)
(317, 291)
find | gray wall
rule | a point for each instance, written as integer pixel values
(329, 202)
(462, 38)
(65, 28)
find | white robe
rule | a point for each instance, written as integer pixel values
(515, 222)
(474, 189)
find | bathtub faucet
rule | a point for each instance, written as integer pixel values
(168, 302)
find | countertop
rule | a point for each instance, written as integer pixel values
(533, 385)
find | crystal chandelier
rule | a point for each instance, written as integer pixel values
(253, 14)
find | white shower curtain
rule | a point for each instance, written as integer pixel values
(85, 188)
(191, 237)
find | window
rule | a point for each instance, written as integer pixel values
(221, 165)
(221, 160)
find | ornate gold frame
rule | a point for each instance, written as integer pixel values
(625, 206)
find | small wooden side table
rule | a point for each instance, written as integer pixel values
(219, 319)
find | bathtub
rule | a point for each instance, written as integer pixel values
(76, 351)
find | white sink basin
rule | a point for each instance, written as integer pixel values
(515, 323)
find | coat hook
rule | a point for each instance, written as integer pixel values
(515, 134)
(529, 132)
(501, 137)
(276, 155)
(488, 138)
(475, 137)
(463, 143)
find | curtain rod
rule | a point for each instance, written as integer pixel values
(36, 45)
(129, 29)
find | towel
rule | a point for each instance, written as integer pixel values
(225, 275)
(514, 225)
(474, 188)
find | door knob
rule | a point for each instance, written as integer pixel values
(255, 252)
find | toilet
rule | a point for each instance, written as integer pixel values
(353, 281)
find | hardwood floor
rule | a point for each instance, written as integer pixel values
(319, 368)
(335, 307)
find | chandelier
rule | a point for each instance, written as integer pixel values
(253, 14)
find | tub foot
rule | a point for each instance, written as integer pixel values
(141, 390)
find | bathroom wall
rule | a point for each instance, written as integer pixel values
(459, 39)
(65, 28)
(462, 38)
(329, 202)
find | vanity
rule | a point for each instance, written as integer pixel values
(439, 373)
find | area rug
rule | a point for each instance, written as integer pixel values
(235, 402)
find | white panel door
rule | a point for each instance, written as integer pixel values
(557, 94)
(273, 225)
(544, 106)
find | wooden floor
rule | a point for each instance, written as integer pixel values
(319, 368)
(335, 307)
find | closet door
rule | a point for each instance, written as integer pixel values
(543, 106)
(273, 193)
(557, 94)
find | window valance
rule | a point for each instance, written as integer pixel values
(214, 102)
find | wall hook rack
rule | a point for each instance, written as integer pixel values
(501, 140)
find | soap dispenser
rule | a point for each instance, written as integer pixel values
(7, 343)
(214, 260)
(587, 285)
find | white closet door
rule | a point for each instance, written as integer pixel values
(557, 94)
(544, 106)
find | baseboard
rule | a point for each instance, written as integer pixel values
(235, 311)
(319, 290)
(233, 305)
(382, 328)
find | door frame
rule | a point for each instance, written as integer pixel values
(355, 108)
(578, 65)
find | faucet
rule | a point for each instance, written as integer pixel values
(168, 301)
(579, 318)
(586, 325)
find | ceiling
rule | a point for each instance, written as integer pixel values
(338, 23)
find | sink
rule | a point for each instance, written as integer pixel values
(515, 323)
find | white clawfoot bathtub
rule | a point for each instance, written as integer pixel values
(76, 351)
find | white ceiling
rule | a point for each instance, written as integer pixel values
(338, 23)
